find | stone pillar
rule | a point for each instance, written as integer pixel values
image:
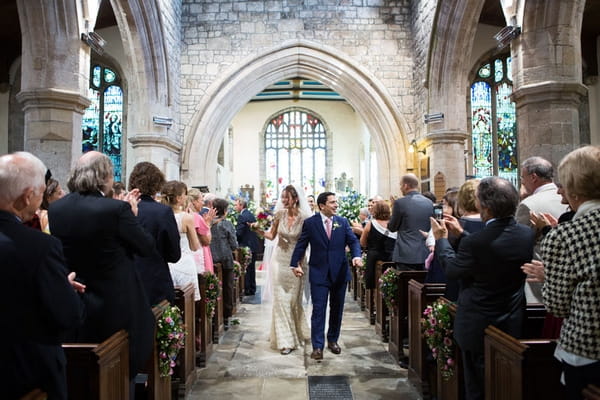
(54, 81)
(447, 149)
(161, 150)
(548, 79)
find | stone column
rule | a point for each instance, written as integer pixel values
(447, 149)
(55, 70)
(161, 150)
(547, 78)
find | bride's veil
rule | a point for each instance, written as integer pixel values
(305, 212)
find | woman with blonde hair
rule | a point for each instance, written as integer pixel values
(184, 271)
(202, 224)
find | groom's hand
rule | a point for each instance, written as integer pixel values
(297, 271)
(357, 262)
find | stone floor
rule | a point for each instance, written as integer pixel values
(243, 366)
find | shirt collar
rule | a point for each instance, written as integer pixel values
(547, 186)
(324, 218)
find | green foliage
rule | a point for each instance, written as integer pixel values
(170, 337)
(350, 205)
(437, 327)
(213, 292)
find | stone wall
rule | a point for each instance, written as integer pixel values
(218, 34)
(422, 25)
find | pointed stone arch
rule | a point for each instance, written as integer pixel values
(227, 96)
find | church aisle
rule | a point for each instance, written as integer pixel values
(243, 366)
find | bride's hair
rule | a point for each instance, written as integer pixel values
(291, 190)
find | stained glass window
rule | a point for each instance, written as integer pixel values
(102, 125)
(494, 121)
(295, 152)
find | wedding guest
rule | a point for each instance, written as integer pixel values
(159, 221)
(571, 289)
(52, 193)
(202, 223)
(410, 215)
(247, 237)
(378, 240)
(100, 237)
(184, 270)
(489, 264)
(37, 296)
(222, 245)
(118, 191)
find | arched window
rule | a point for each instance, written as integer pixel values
(494, 121)
(102, 126)
(295, 152)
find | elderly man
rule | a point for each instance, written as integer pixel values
(410, 215)
(38, 299)
(489, 264)
(543, 200)
(100, 237)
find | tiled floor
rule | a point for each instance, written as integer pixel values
(243, 366)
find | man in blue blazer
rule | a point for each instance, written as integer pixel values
(328, 235)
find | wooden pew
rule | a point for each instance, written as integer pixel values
(422, 375)
(185, 372)
(354, 282)
(381, 311)
(98, 371)
(158, 388)
(204, 324)
(35, 394)
(398, 328)
(520, 369)
(217, 323)
(237, 255)
(591, 392)
(370, 305)
(452, 388)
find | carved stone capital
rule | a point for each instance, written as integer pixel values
(551, 91)
(445, 136)
(52, 98)
(149, 140)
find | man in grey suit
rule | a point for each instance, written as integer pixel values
(410, 215)
(536, 177)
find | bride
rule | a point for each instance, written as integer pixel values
(289, 328)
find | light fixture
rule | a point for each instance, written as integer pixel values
(413, 147)
(163, 121)
(506, 35)
(95, 41)
(434, 117)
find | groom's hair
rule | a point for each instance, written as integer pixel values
(322, 199)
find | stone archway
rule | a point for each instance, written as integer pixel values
(360, 88)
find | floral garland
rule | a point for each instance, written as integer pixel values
(388, 284)
(437, 329)
(213, 293)
(237, 270)
(246, 255)
(362, 270)
(350, 205)
(170, 337)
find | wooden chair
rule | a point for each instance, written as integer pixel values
(520, 369)
(381, 311)
(158, 388)
(218, 328)
(99, 371)
(204, 323)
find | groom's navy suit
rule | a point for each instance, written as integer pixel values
(329, 272)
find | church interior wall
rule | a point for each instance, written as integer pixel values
(594, 103)
(346, 129)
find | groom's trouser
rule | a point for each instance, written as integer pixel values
(319, 294)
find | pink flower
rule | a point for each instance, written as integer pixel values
(433, 321)
(163, 355)
(447, 341)
(450, 362)
(172, 364)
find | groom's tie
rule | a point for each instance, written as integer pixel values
(328, 227)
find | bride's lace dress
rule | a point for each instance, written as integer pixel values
(289, 328)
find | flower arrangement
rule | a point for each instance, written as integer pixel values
(170, 337)
(388, 284)
(437, 329)
(350, 205)
(232, 214)
(213, 293)
(237, 270)
(246, 257)
(362, 270)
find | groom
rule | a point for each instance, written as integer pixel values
(328, 236)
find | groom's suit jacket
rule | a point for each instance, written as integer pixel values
(328, 262)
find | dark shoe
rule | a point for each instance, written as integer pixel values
(286, 351)
(333, 346)
(403, 362)
(226, 324)
(317, 354)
